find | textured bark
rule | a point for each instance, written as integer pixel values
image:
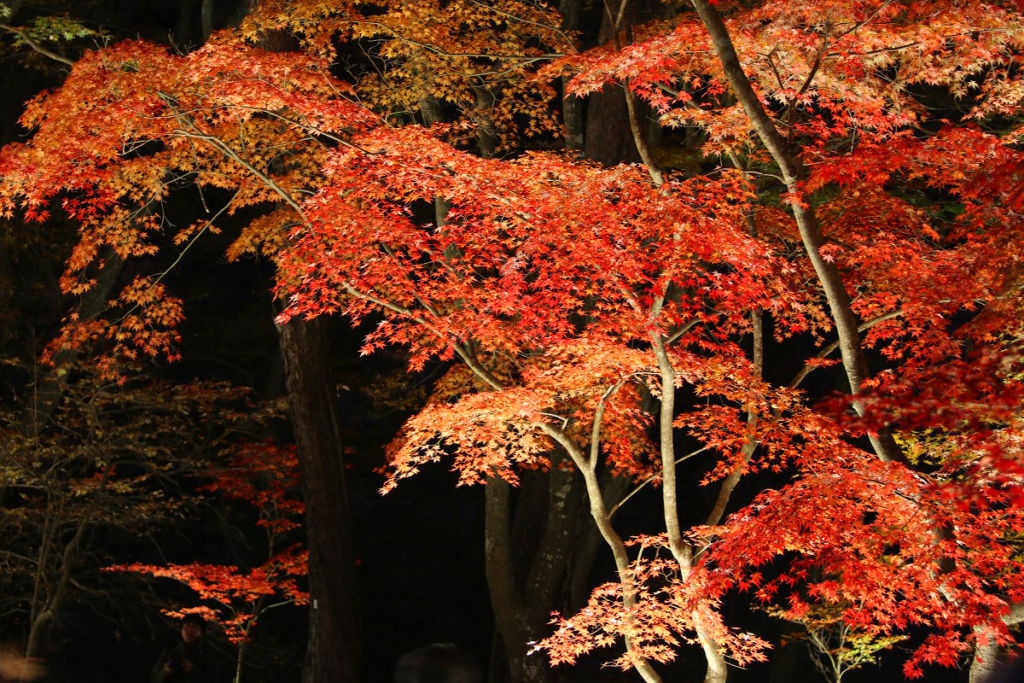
(986, 657)
(509, 607)
(485, 133)
(526, 563)
(586, 461)
(430, 110)
(526, 559)
(333, 651)
(544, 578)
(572, 107)
(609, 138)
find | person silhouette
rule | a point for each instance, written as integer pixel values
(189, 660)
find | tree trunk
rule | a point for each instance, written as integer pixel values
(333, 651)
(184, 39)
(512, 613)
(206, 19)
(789, 162)
(588, 543)
(985, 658)
(572, 106)
(609, 138)
(526, 563)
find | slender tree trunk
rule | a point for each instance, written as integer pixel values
(790, 164)
(240, 661)
(682, 552)
(599, 512)
(334, 645)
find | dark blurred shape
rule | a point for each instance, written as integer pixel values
(437, 663)
(1011, 672)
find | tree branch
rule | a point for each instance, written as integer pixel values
(36, 46)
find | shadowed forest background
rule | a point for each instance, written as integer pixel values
(204, 377)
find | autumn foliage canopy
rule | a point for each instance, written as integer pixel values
(858, 199)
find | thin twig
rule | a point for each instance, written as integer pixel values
(649, 479)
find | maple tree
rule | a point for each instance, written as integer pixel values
(315, 425)
(264, 235)
(437, 301)
(98, 470)
(569, 291)
(266, 477)
(833, 128)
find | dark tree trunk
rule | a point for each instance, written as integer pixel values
(608, 138)
(334, 648)
(206, 19)
(526, 565)
(589, 544)
(572, 106)
(184, 36)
